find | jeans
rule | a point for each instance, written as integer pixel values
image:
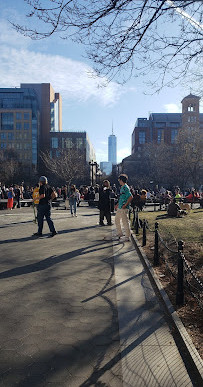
(44, 210)
(73, 203)
(122, 215)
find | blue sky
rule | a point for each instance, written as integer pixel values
(87, 106)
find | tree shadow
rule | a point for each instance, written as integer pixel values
(48, 262)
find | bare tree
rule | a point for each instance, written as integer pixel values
(9, 166)
(189, 155)
(136, 36)
(68, 166)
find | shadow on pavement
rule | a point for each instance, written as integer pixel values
(44, 235)
(48, 262)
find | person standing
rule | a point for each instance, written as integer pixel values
(17, 195)
(46, 194)
(105, 203)
(73, 200)
(122, 209)
(10, 198)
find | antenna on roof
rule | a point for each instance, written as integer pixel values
(112, 127)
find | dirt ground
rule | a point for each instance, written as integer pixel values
(190, 313)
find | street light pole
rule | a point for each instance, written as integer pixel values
(92, 164)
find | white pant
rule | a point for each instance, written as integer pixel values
(122, 214)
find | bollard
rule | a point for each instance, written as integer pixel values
(144, 233)
(180, 286)
(156, 245)
(133, 222)
(136, 223)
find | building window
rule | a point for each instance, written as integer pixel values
(26, 125)
(67, 143)
(3, 136)
(26, 116)
(142, 136)
(174, 124)
(18, 116)
(160, 136)
(10, 136)
(192, 119)
(191, 108)
(11, 145)
(7, 121)
(3, 145)
(18, 125)
(27, 145)
(79, 143)
(54, 142)
(19, 146)
(160, 124)
(174, 133)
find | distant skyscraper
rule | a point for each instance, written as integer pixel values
(112, 148)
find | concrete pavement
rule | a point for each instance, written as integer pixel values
(78, 310)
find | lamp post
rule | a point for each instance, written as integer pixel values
(99, 175)
(92, 165)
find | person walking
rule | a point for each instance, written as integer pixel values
(105, 203)
(122, 209)
(46, 194)
(73, 200)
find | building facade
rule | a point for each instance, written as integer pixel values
(72, 140)
(27, 117)
(20, 125)
(112, 149)
(106, 167)
(50, 106)
(164, 127)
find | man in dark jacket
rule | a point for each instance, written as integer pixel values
(105, 203)
(44, 207)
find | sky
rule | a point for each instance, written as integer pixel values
(87, 105)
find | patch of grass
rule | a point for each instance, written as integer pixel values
(189, 228)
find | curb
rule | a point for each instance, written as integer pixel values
(188, 352)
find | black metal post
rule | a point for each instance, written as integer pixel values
(133, 223)
(180, 286)
(144, 233)
(156, 245)
(137, 223)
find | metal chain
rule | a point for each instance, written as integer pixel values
(162, 241)
(192, 273)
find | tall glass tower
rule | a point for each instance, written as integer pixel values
(112, 148)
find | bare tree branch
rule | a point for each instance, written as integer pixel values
(125, 37)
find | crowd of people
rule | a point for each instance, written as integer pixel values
(123, 196)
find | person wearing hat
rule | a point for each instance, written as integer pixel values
(44, 208)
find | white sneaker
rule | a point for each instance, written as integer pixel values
(72, 215)
(124, 239)
(116, 238)
(75, 215)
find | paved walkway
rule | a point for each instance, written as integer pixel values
(78, 310)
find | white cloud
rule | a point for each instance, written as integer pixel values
(172, 108)
(71, 78)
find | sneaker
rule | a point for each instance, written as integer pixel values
(37, 234)
(52, 234)
(75, 215)
(109, 224)
(72, 215)
(116, 238)
(101, 224)
(124, 239)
